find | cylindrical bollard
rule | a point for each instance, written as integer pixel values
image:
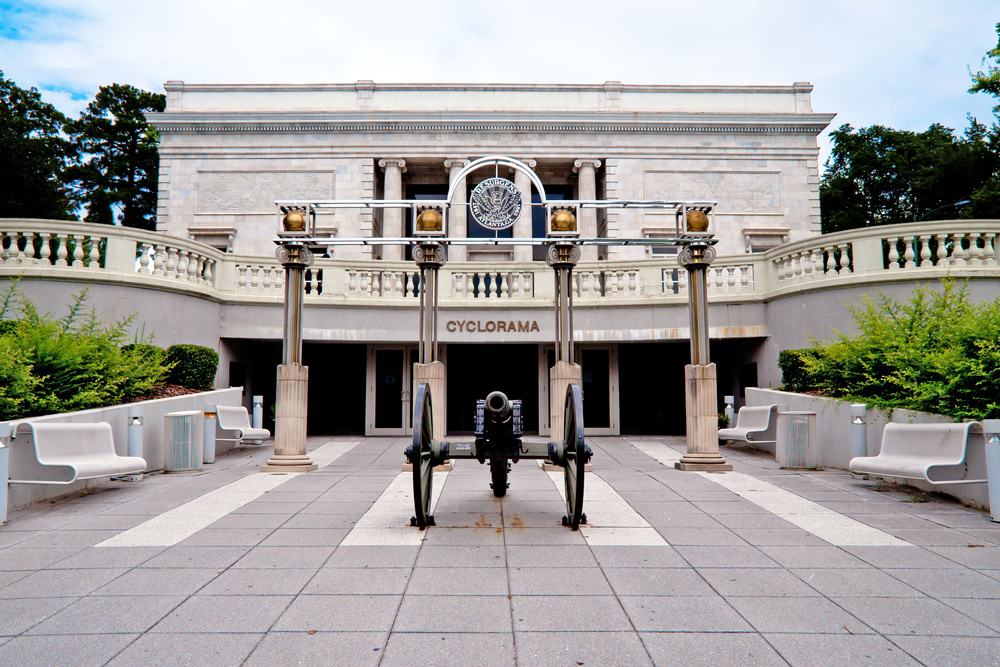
(258, 412)
(730, 410)
(859, 430)
(134, 438)
(4, 470)
(135, 431)
(992, 428)
(208, 440)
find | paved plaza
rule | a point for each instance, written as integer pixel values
(758, 566)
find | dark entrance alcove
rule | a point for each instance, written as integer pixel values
(476, 370)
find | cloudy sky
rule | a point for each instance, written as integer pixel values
(899, 63)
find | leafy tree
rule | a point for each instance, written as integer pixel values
(119, 159)
(878, 175)
(987, 78)
(33, 155)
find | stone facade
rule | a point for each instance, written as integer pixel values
(228, 151)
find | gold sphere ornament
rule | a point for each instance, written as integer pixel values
(294, 221)
(430, 220)
(697, 221)
(563, 220)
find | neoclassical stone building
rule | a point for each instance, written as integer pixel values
(208, 274)
(228, 151)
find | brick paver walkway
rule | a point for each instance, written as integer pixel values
(677, 569)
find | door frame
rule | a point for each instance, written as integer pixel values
(405, 394)
(614, 414)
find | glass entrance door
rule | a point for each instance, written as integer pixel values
(388, 403)
(600, 389)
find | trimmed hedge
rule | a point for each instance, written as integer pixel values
(937, 352)
(192, 366)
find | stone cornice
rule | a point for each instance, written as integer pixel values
(262, 123)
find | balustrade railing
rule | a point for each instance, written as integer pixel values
(888, 252)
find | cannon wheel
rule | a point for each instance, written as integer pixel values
(576, 455)
(422, 458)
(498, 472)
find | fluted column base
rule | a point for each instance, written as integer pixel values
(290, 422)
(561, 376)
(433, 375)
(702, 421)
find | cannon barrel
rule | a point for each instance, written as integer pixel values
(497, 407)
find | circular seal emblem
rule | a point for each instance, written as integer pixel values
(495, 203)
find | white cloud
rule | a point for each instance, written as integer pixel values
(899, 63)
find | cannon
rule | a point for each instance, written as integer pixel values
(498, 441)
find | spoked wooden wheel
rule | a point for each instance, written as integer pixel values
(576, 453)
(421, 455)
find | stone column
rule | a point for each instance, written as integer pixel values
(392, 218)
(293, 378)
(522, 228)
(458, 220)
(587, 189)
(699, 376)
(433, 374)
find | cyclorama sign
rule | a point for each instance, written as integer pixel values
(492, 326)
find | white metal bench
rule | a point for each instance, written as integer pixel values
(44, 453)
(754, 425)
(234, 423)
(934, 453)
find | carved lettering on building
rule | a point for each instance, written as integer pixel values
(736, 191)
(255, 191)
(492, 326)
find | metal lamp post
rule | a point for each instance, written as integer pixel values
(293, 378)
(563, 254)
(695, 256)
(430, 256)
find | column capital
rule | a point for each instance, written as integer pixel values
(453, 163)
(586, 162)
(392, 162)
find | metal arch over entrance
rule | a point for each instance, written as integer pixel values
(567, 448)
(498, 161)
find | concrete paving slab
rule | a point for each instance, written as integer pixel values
(187, 557)
(797, 614)
(340, 613)
(986, 611)
(951, 651)
(372, 556)
(19, 615)
(458, 581)
(337, 649)
(951, 583)
(571, 649)
(683, 614)
(725, 556)
(218, 650)
(225, 613)
(913, 616)
(853, 583)
(557, 581)
(302, 557)
(443, 613)
(555, 613)
(60, 583)
(449, 556)
(752, 582)
(359, 581)
(103, 614)
(77, 650)
(177, 581)
(806, 650)
(549, 556)
(405, 649)
(656, 581)
(713, 649)
(268, 581)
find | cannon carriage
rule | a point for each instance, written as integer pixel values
(498, 441)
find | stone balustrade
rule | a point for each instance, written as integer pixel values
(62, 250)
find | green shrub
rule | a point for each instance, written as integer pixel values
(938, 352)
(49, 365)
(192, 366)
(793, 369)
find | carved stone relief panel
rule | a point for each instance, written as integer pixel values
(255, 191)
(738, 192)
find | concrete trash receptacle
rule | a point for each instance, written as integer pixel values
(183, 446)
(797, 446)
(992, 429)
